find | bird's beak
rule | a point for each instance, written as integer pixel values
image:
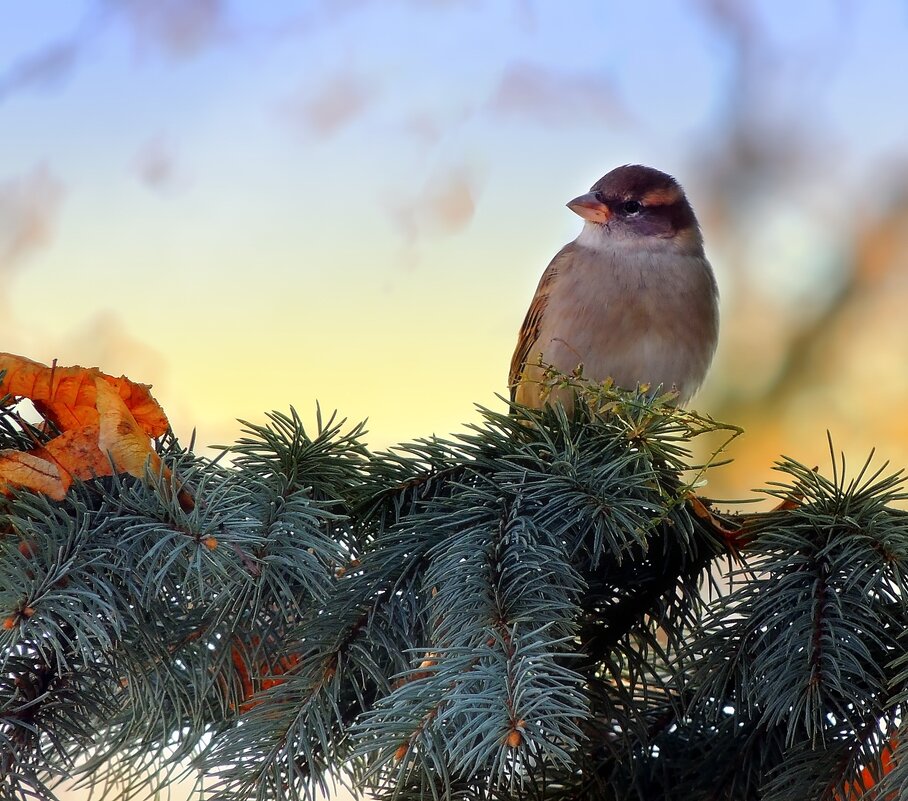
(590, 208)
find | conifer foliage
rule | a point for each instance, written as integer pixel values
(525, 611)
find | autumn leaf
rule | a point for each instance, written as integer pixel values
(269, 675)
(119, 434)
(146, 411)
(66, 396)
(75, 454)
(105, 425)
(20, 469)
(870, 776)
(735, 537)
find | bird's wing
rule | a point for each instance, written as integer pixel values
(529, 331)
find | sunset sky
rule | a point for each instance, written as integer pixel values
(252, 205)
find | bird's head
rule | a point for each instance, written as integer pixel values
(633, 202)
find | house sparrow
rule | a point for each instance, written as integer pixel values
(632, 298)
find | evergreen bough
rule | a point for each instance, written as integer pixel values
(530, 610)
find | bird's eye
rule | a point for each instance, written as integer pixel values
(631, 206)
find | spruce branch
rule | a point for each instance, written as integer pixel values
(515, 612)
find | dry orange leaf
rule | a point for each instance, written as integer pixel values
(105, 424)
(870, 777)
(76, 454)
(120, 435)
(702, 511)
(19, 469)
(65, 396)
(270, 675)
(146, 411)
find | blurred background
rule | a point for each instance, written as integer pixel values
(251, 205)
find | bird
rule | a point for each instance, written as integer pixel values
(632, 299)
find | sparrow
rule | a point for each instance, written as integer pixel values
(632, 299)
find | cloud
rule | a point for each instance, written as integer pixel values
(444, 205)
(429, 126)
(424, 127)
(318, 15)
(449, 204)
(29, 208)
(556, 99)
(104, 341)
(156, 164)
(180, 28)
(43, 69)
(50, 66)
(337, 103)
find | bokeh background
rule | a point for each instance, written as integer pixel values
(252, 205)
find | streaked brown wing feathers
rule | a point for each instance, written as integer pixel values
(529, 331)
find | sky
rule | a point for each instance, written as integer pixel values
(256, 205)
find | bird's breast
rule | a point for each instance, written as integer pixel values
(630, 315)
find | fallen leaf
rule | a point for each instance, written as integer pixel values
(66, 396)
(25, 471)
(871, 775)
(104, 425)
(120, 435)
(268, 675)
(76, 454)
